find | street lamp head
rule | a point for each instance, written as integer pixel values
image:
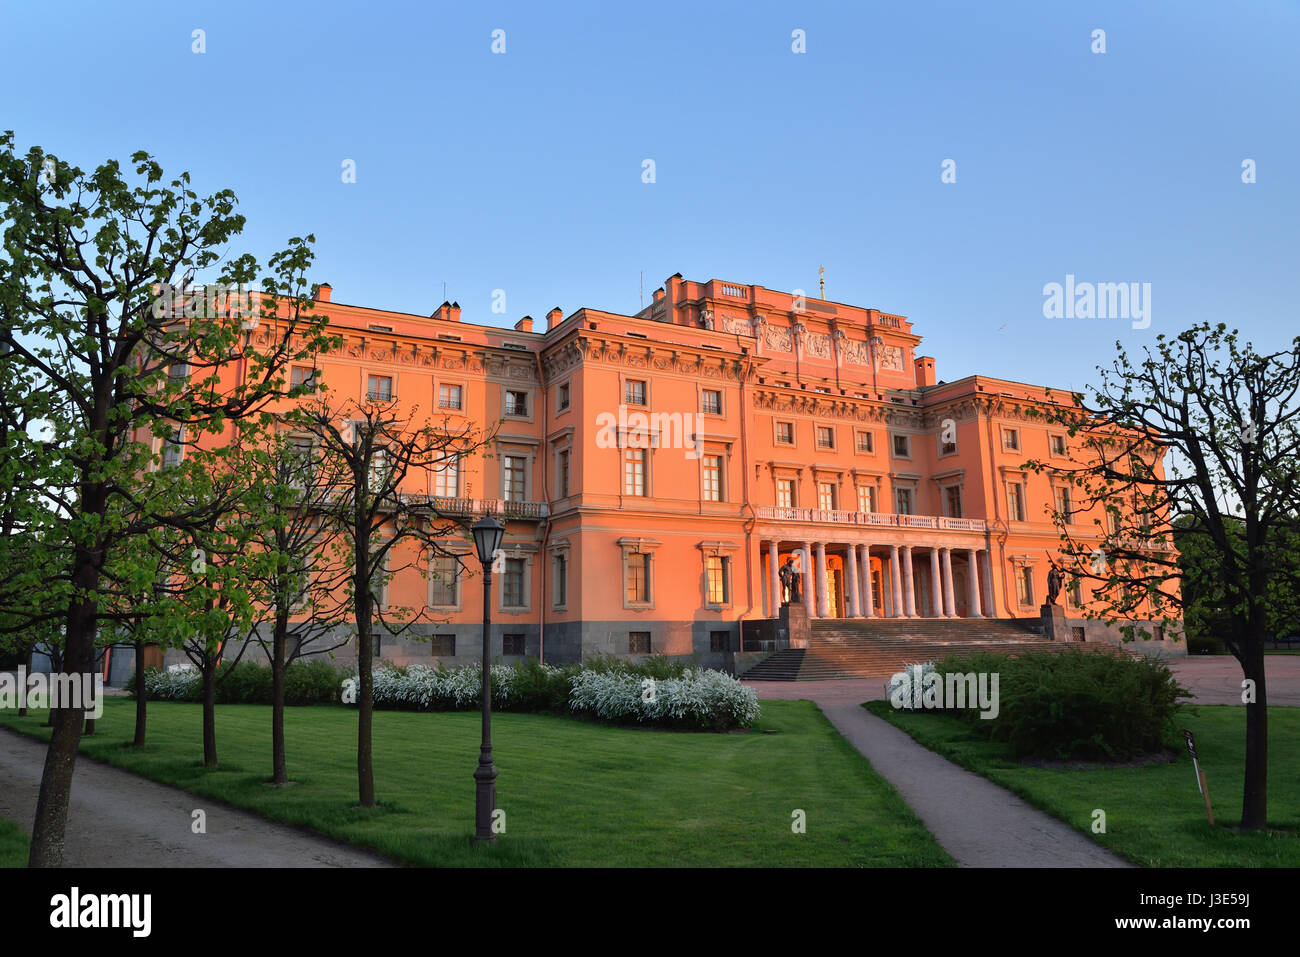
(487, 537)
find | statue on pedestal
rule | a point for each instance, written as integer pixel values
(790, 579)
(1053, 584)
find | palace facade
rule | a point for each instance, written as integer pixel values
(655, 470)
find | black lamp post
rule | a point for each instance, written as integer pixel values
(487, 539)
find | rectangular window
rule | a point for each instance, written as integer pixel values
(512, 586)
(638, 642)
(903, 498)
(1025, 585)
(1011, 440)
(174, 447)
(713, 478)
(516, 402)
(785, 493)
(561, 583)
(634, 472)
(178, 371)
(637, 584)
(563, 402)
(379, 388)
(826, 496)
(864, 442)
(378, 470)
(513, 479)
(1015, 503)
(1063, 505)
(442, 645)
(866, 498)
(444, 574)
(446, 478)
(953, 498)
(449, 397)
(717, 580)
(1058, 445)
(719, 641)
(634, 392)
(785, 433)
(825, 437)
(564, 474)
(1074, 593)
(512, 646)
(902, 447)
(711, 402)
(948, 447)
(302, 376)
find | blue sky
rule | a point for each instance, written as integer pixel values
(522, 171)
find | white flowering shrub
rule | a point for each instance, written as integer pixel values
(904, 681)
(177, 683)
(700, 698)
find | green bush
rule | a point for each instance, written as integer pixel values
(305, 682)
(536, 688)
(1075, 704)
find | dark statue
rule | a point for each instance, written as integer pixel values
(1053, 584)
(790, 579)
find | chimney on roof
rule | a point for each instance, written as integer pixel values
(659, 293)
(524, 325)
(453, 312)
(924, 370)
(323, 292)
(554, 318)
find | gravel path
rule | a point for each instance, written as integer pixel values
(120, 820)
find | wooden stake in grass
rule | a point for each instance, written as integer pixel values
(1201, 785)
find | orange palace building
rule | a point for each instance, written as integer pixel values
(655, 471)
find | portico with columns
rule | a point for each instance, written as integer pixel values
(893, 568)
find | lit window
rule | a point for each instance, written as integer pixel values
(637, 578)
(717, 580)
(826, 496)
(866, 498)
(713, 478)
(785, 493)
(634, 472)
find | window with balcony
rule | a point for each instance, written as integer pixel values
(516, 402)
(634, 392)
(634, 461)
(866, 498)
(785, 493)
(716, 580)
(444, 578)
(825, 437)
(379, 388)
(952, 501)
(513, 593)
(446, 478)
(449, 397)
(826, 496)
(514, 478)
(713, 478)
(785, 433)
(711, 402)
(903, 501)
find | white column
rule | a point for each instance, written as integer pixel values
(851, 577)
(806, 574)
(895, 585)
(868, 599)
(936, 585)
(823, 592)
(974, 584)
(909, 583)
(949, 603)
(773, 579)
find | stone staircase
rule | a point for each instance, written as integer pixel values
(878, 648)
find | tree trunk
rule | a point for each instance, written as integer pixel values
(279, 774)
(50, 826)
(141, 699)
(90, 727)
(22, 692)
(210, 711)
(365, 677)
(1254, 800)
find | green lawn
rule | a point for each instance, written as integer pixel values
(575, 793)
(1154, 815)
(13, 845)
